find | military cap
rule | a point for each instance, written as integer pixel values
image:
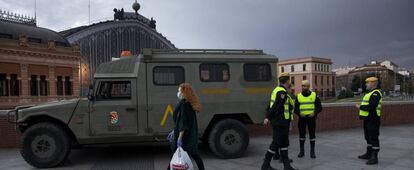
(284, 75)
(371, 79)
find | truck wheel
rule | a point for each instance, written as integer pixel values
(228, 139)
(45, 145)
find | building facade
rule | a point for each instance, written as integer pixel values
(100, 42)
(391, 78)
(317, 70)
(36, 64)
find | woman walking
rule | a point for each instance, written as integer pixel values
(185, 132)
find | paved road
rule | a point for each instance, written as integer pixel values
(335, 150)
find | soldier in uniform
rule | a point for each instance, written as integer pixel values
(307, 107)
(279, 116)
(370, 112)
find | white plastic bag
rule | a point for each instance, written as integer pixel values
(181, 160)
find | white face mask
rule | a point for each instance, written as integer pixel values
(179, 95)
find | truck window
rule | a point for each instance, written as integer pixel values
(257, 72)
(114, 90)
(168, 75)
(214, 72)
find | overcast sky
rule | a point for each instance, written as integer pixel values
(351, 32)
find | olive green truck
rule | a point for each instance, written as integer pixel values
(132, 100)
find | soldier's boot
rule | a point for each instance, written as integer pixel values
(374, 157)
(302, 148)
(277, 155)
(266, 163)
(286, 161)
(281, 161)
(312, 150)
(367, 154)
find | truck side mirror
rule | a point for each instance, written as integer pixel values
(90, 93)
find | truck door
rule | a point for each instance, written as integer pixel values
(114, 110)
(163, 80)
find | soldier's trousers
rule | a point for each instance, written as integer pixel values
(310, 123)
(371, 133)
(280, 138)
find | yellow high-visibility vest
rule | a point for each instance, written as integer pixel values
(306, 104)
(365, 101)
(287, 113)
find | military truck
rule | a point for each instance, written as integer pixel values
(132, 100)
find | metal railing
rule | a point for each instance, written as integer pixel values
(19, 18)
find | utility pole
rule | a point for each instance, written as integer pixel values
(35, 11)
(89, 12)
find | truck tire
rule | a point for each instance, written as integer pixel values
(228, 139)
(45, 145)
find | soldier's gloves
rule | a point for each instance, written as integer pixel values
(179, 143)
(170, 136)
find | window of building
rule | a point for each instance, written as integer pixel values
(328, 94)
(316, 80)
(59, 86)
(292, 80)
(68, 86)
(292, 68)
(321, 93)
(43, 86)
(214, 72)
(6, 36)
(4, 89)
(34, 85)
(304, 67)
(282, 69)
(327, 80)
(304, 78)
(114, 90)
(257, 72)
(321, 80)
(14, 85)
(168, 75)
(333, 80)
(34, 40)
(61, 44)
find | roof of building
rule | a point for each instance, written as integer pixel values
(13, 30)
(369, 67)
(74, 31)
(305, 60)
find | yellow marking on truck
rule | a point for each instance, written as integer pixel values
(168, 110)
(215, 91)
(253, 90)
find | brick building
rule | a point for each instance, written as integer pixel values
(387, 72)
(36, 64)
(317, 70)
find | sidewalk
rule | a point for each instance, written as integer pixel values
(335, 150)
